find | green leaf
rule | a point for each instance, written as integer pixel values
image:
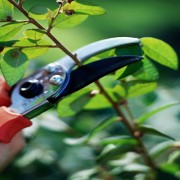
(84, 174)
(83, 7)
(163, 175)
(6, 10)
(13, 66)
(51, 122)
(128, 70)
(75, 141)
(136, 168)
(38, 12)
(171, 168)
(80, 102)
(133, 49)
(125, 160)
(150, 98)
(147, 72)
(121, 173)
(106, 54)
(98, 101)
(108, 149)
(136, 88)
(63, 21)
(8, 43)
(160, 52)
(111, 152)
(118, 140)
(160, 148)
(102, 55)
(74, 103)
(119, 91)
(33, 48)
(101, 126)
(128, 166)
(144, 117)
(34, 34)
(10, 30)
(150, 130)
(174, 157)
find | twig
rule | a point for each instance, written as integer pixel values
(133, 129)
(51, 36)
(53, 18)
(21, 2)
(125, 104)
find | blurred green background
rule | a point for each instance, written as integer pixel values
(47, 156)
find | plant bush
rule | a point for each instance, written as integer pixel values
(98, 134)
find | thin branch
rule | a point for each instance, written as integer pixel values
(21, 2)
(64, 49)
(133, 129)
(25, 13)
(51, 36)
(54, 17)
(125, 104)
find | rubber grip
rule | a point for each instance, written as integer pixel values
(4, 93)
(11, 123)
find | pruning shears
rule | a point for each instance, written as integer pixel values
(43, 89)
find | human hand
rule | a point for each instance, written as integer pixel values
(8, 151)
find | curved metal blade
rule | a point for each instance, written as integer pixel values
(95, 48)
(84, 75)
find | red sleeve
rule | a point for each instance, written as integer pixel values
(4, 93)
(10, 122)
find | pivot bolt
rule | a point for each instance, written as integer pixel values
(31, 88)
(56, 80)
(51, 68)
